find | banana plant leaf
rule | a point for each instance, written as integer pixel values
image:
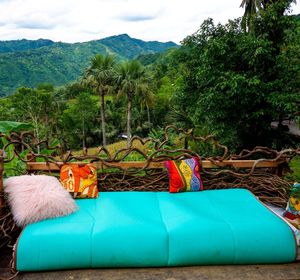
(7, 127)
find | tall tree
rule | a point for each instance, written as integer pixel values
(130, 84)
(100, 75)
(146, 100)
(80, 117)
(253, 7)
(35, 106)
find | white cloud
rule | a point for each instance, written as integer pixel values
(83, 20)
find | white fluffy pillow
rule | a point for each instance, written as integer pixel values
(37, 197)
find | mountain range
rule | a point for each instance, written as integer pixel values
(30, 62)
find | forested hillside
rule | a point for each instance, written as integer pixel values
(28, 63)
(231, 80)
(23, 45)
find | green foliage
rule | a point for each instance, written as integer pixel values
(132, 83)
(47, 107)
(79, 119)
(35, 62)
(148, 59)
(130, 48)
(222, 80)
(115, 118)
(37, 106)
(166, 75)
(101, 76)
(15, 166)
(46, 87)
(159, 134)
(70, 91)
(8, 126)
(254, 8)
(236, 83)
(6, 109)
(23, 45)
(295, 168)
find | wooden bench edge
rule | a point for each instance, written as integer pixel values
(44, 166)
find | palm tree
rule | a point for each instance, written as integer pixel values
(252, 7)
(101, 75)
(130, 83)
(146, 99)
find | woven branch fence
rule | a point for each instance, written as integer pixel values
(115, 176)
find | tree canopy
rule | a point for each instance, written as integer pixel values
(237, 83)
(101, 76)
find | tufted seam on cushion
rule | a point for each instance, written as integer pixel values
(92, 231)
(228, 224)
(166, 229)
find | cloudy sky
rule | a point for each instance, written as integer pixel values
(84, 20)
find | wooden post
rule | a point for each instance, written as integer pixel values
(280, 168)
(1, 178)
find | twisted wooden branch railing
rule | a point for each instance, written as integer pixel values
(8, 228)
(256, 170)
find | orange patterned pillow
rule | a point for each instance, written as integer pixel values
(80, 181)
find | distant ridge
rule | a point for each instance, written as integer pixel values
(30, 62)
(23, 45)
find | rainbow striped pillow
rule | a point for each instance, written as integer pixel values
(184, 175)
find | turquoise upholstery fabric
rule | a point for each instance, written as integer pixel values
(143, 229)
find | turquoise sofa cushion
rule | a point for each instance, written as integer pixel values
(151, 229)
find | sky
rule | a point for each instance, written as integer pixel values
(85, 20)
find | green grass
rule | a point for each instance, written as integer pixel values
(295, 167)
(113, 148)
